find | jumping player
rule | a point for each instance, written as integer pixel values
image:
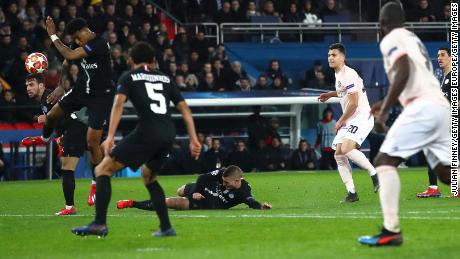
(354, 125)
(148, 144)
(73, 135)
(424, 124)
(220, 189)
(94, 88)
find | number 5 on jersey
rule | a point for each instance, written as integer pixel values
(159, 106)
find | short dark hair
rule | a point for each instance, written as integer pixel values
(75, 25)
(302, 141)
(233, 171)
(392, 14)
(338, 46)
(446, 49)
(37, 77)
(142, 52)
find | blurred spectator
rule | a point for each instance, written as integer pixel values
(183, 69)
(274, 70)
(198, 10)
(181, 46)
(445, 15)
(94, 20)
(8, 100)
(252, 10)
(72, 76)
(224, 14)
(150, 17)
(215, 156)
(200, 44)
(208, 84)
(236, 74)
(194, 63)
(207, 68)
(423, 13)
(208, 142)
(201, 138)
(180, 82)
(326, 134)
(146, 33)
(329, 9)
(244, 84)
(262, 83)
(119, 63)
(237, 12)
(269, 9)
(278, 155)
(191, 81)
(123, 34)
(303, 158)
(219, 75)
(312, 78)
(130, 42)
(109, 29)
(310, 14)
(319, 82)
(278, 84)
(7, 53)
(257, 129)
(293, 15)
(272, 131)
(71, 13)
(240, 157)
(129, 18)
(261, 157)
(172, 69)
(160, 43)
(11, 15)
(110, 15)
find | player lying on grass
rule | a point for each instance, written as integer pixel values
(220, 189)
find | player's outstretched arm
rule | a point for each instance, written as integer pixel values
(326, 96)
(66, 52)
(195, 146)
(401, 69)
(115, 116)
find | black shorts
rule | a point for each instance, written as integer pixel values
(140, 147)
(99, 107)
(189, 190)
(73, 140)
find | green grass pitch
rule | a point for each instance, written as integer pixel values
(307, 221)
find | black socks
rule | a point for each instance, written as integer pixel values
(144, 205)
(157, 195)
(103, 193)
(68, 186)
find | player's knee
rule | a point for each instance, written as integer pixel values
(340, 158)
(105, 168)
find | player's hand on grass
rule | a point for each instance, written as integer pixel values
(108, 145)
(197, 196)
(266, 206)
(50, 27)
(324, 97)
(41, 119)
(195, 148)
(55, 95)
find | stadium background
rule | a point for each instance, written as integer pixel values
(210, 46)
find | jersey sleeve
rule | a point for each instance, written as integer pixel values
(392, 49)
(175, 94)
(207, 178)
(96, 47)
(352, 82)
(246, 197)
(123, 85)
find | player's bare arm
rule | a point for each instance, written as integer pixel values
(349, 110)
(115, 116)
(326, 96)
(380, 110)
(61, 88)
(66, 52)
(195, 146)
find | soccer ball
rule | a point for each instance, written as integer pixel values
(36, 63)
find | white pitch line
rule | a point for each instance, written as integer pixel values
(269, 216)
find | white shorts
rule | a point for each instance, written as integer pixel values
(421, 126)
(356, 129)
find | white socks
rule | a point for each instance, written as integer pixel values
(345, 172)
(390, 189)
(361, 160)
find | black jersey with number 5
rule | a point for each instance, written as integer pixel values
(150, 91)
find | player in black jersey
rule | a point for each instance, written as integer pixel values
(148, 144)
(444, 61)
(94, 88)
(72, 133)
(220, 189)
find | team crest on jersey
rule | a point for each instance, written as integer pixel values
(447, 81)
(231, 196)
(45, 109)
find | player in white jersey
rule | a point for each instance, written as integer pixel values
(354, 125)
(424, 123)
